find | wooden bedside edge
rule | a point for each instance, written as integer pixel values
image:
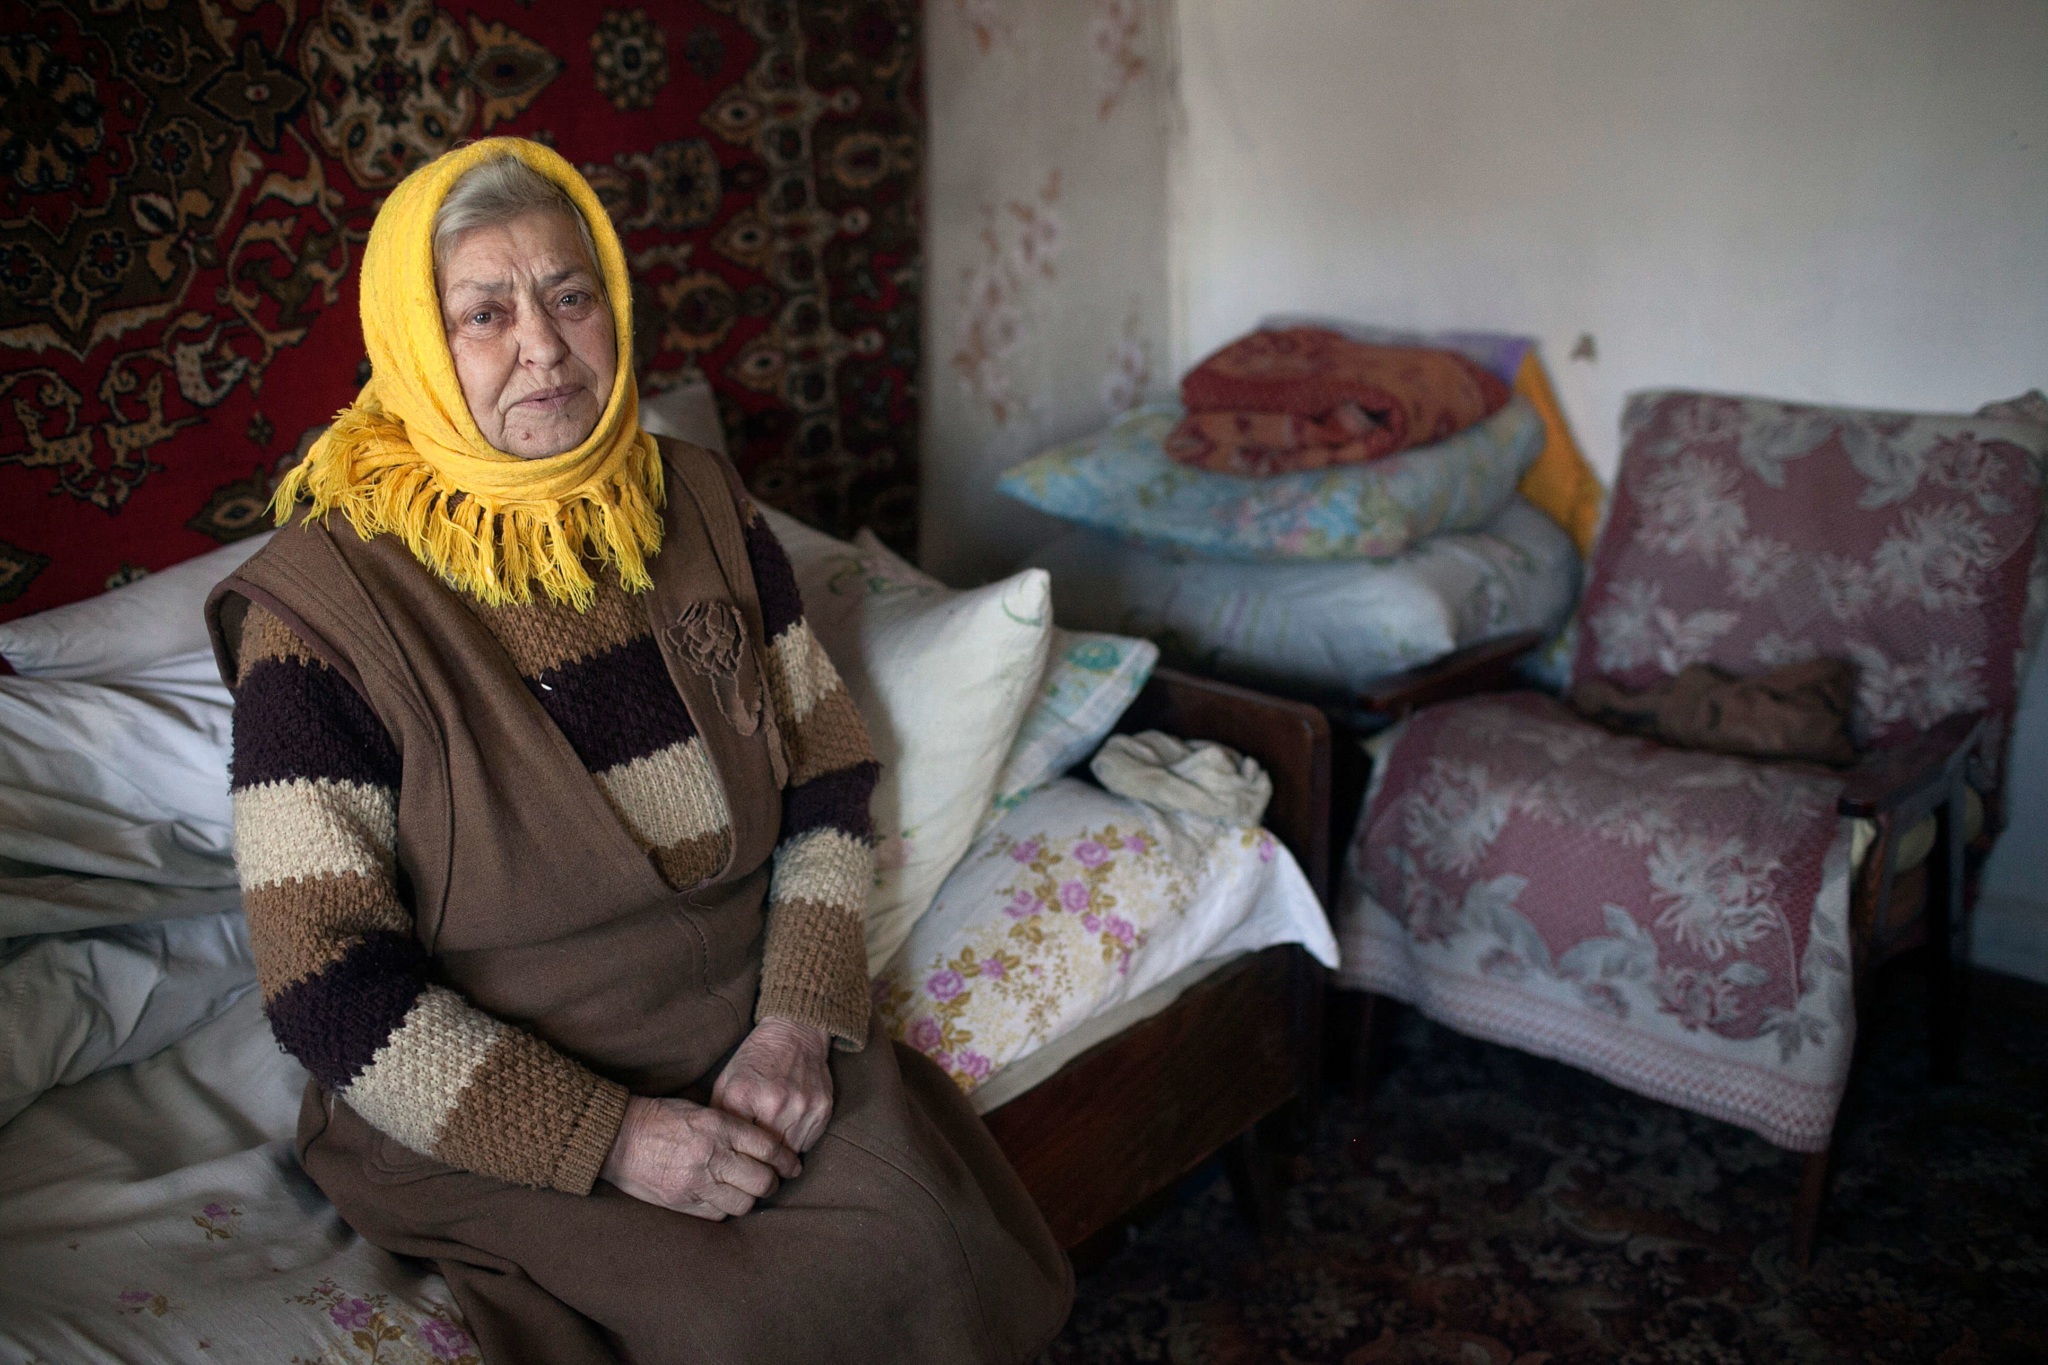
(1138, 1111)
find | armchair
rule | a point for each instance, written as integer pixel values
(1696, 926)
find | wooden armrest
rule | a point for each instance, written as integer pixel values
(1890, 778)
(1485, 667)
(1290, 739)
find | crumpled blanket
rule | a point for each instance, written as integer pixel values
(1203, 778)
(1276, 402)
(1800, 711)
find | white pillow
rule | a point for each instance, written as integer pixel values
(1327, 626)
(942, 679)
(132, 628)
(1090, 680)
(73, 1004)
(1073, 903)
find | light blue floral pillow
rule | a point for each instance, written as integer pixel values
(1089, 681)
(1122, 481)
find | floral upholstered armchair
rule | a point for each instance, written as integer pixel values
(1696, 926)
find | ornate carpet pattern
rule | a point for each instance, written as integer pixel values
(1488, 1207)
(185, 191)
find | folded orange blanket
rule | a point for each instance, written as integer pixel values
(1305, 398)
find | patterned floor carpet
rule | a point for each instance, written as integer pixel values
(1491, 1208)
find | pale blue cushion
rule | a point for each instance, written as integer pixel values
(1089, 681)
(1122, 481)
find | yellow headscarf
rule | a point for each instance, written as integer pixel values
(407, 459)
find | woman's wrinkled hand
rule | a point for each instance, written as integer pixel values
(695, 1160)
(780, 1079)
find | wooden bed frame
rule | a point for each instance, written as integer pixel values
(1137, 1112)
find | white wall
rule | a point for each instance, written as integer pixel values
(1046, 296)
(1837, 200)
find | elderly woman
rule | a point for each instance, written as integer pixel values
(552, 820)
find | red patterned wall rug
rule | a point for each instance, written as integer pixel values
(186, 186)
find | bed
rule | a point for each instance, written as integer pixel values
(151, 1208)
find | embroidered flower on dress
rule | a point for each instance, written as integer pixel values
(708, 634)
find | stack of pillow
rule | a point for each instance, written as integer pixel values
(1323, 539)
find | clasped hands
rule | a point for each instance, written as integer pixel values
(770, 1104)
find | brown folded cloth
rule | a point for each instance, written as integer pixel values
(1307, 397)
(1799, 711)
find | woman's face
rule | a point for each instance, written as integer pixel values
(531, 333)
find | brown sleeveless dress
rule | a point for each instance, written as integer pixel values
(907, 1237)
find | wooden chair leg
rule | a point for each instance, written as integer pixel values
(1249, 1168)
(1947, 940)
(1813, 1197)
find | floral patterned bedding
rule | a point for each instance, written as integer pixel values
(155, 1212)
(1073, 903)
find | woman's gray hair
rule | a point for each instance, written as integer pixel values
(497, 191)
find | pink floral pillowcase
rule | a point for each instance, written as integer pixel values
(1072, 903)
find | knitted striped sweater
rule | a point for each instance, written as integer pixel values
(344, 981)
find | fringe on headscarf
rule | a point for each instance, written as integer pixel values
(497, 549)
